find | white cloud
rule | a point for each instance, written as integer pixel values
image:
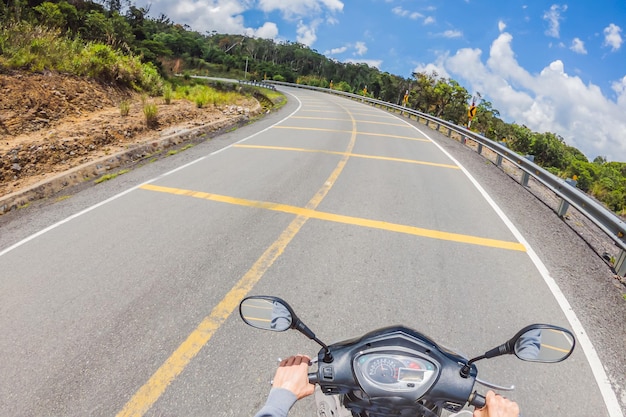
(376, 63)
(612, 37)
(336, 51)
(501, 26)
(550, 101)
(406, 13)
(438, 66)
(578, 46)
(553, 17)
(307, 33)
(452, 34)
(226, 16)
(293, 9)
(429, 20)
(361, 48)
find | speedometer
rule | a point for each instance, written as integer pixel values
(384, 370)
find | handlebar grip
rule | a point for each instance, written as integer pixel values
(477, 400)
(313, 378)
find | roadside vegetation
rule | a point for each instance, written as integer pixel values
(120, 43)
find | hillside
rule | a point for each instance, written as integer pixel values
(50, 123)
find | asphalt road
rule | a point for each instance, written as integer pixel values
(355, 217)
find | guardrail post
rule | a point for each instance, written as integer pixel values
(499, 160)
(463, 140)
(480, 148)
(620, 264)
(564, 205)
(526, 175)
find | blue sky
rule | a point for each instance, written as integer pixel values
(553, 66)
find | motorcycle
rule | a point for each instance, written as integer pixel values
(398, 371)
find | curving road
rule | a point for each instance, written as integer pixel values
(354, 216)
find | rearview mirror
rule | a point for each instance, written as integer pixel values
(266, 313)
(543, 343)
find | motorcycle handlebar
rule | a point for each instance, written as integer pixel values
(477, 400)
(313, 378)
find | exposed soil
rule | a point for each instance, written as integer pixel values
(51, 123)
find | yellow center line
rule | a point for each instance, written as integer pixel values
(354, 155)
(338, 218)
(321, 129)
(558, 349)
(346, 120)
(150, 392)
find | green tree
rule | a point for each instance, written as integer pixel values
(50, 15)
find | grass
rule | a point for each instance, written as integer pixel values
(124, 108)
(184, 148)
(151, 112)
(168, 93)
(35, 48)
(62, 198)
(108, 177)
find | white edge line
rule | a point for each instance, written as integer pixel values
(609, 396)
(123, 193)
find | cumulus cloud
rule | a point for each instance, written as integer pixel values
(612, 37)
(306, 33)
(501, 26)
(227, 16)
(549, 101)
(578, 46)
(451, 33)
(293, 9)
(376, 63)
(553, 17)
(406, 13)
(361, 48)
(429, 20)
(336, 51)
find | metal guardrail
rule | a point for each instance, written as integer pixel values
(258, 84)
(606, 220)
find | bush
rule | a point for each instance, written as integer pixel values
(38, 48)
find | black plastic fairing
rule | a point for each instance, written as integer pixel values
(446, 387)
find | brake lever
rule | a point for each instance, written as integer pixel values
(494, 386)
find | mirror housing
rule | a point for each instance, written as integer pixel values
(271, 313)
(543, 343)
(267, 313)
(535, 343)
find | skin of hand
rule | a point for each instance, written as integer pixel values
(293, 374)
(497, 406)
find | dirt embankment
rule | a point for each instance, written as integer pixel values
(51, 123)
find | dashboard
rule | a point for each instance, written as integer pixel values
(382, 373)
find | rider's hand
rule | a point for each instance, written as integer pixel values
(497, 406)
(293, 374)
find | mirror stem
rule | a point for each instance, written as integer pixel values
(302, 328)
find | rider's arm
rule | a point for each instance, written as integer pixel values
(278, 403)
(291, 382)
